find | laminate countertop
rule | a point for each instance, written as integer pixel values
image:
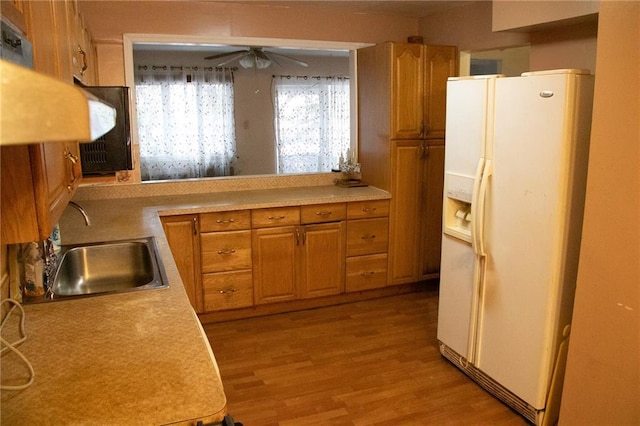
(138, 357)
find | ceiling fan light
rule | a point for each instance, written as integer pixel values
(262, 63)
(247, 61)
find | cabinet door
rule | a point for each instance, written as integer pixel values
(225, 251)
(323, 260)
(441, 63)
(58, 177)
(227, 290)
(367, 236)
(275, 269)
(366, 272)
(433, 185)
(407, 86)
(182, 234)
(404, 218)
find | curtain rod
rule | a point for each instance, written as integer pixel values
(175, 67)
(305, 77)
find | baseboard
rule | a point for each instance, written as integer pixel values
(299, 305)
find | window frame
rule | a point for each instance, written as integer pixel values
(131, 39)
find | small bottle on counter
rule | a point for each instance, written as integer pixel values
(33, 270)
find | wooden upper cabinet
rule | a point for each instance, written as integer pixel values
(15, 11)
(407, 85)
(441, 62)
(38, 180)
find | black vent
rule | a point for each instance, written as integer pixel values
(111, 152)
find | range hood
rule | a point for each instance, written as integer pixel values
(36, 108)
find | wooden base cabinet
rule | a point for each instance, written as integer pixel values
(300, 261)
(275, 272)
(367, 245)
(226, 260)
(182, 234)
(227, 290)
(249, 261)
(322, 261)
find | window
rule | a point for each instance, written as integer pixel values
(312, 121)
(186, 123)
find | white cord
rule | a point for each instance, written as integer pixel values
(12, 346)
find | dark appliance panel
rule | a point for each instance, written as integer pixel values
(111, 152)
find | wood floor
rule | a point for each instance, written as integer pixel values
(366, 363)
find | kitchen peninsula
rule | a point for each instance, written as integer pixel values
(137, 357)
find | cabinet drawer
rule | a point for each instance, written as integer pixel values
(366, 272)
(367, 209)
(227, 290)
(319, 213)
(280, 216)
(225, 221)
(367, 236)
(225, 251)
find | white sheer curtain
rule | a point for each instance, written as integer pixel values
(312, 122)
(186, 125)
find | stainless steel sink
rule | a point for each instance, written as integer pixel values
(108, 267)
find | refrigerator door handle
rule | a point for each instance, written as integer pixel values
(474, 205)
(479, 217)
(474, 320)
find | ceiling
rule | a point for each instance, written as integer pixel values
(409, 9)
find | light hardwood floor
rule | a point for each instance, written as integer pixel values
(366, 363)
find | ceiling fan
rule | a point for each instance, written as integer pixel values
(254, 57)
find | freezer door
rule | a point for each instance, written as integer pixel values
(456, 293)
(468, 100)
(466, 124)
(526, 232)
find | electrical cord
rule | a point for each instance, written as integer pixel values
(12, 346)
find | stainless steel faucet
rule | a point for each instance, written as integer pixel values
(82, 212)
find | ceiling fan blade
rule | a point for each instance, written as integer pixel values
(233, 58)
(222, 55)
(289, 58)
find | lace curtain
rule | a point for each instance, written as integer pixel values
(186, 125)
(312, 122)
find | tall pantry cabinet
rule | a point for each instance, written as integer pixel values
(402, 103)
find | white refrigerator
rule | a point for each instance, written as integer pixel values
(515, 178)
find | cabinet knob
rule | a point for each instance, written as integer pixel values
(220, 221)
(229, 291)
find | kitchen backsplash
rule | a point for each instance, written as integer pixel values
(201, 186)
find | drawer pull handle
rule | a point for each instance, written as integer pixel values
(368, 273)
(229, 291)
(276, 217)
(368, 209)
(226, 252)
(368, 237)
(220, 221)
(324, 213)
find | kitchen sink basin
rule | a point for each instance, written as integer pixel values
(108, 267)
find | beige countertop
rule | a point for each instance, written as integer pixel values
(139, 357)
